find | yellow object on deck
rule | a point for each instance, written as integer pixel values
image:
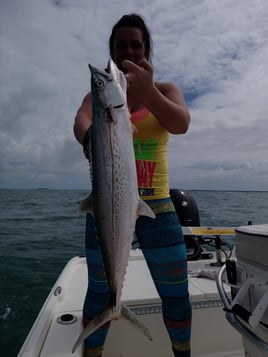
(212, 230)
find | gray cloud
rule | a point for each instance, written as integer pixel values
(215, 51)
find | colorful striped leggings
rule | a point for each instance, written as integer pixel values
(162, 244)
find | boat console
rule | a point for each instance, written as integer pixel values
(247, 310)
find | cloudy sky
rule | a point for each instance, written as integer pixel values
(216, 51)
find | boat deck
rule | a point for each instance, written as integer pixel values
(212, 336)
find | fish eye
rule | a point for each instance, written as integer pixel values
(99, 83)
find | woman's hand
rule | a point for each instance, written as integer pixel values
(139, 78)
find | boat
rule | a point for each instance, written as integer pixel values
(216, 326)
(247, 310)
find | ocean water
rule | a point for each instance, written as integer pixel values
(40, 230)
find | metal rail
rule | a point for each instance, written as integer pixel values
(232, 317)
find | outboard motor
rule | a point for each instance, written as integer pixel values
(188, 214)
(248, 310)
(186, 207)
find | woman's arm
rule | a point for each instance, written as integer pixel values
(164, 100)
(83, 119)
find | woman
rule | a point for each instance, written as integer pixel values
(157, 109)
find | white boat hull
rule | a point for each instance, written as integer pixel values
(211, 333)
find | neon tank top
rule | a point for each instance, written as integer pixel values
(150, 145)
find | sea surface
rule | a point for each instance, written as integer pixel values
(40, 230)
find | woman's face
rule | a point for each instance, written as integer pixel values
(128, 45)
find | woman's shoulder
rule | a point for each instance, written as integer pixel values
(172, 92)
(85, 106)
(87, 97)
(167, 87)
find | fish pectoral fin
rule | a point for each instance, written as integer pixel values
(94, 324)
(131, 318)
(145, 210)
(87, 205)
(111, 114)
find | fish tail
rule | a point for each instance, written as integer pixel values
(127, 314)
(94, 324)
(111, 314)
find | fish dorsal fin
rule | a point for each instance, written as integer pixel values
(145, 210)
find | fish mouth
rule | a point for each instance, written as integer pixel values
(118, 106)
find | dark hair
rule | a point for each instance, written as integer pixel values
(133, 20)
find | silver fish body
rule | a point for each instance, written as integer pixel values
(114, 201)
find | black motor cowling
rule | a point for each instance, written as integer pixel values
(186, 207)
(188, 214)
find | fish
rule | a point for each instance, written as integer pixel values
(114, 201)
